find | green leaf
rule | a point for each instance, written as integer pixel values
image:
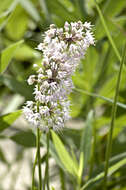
(5, 16)
(113, 8)
(24, 138)
(25, 53)
(72, 136)
(3, 19)
(17, 23)
(111, 170)
(43, 5)
(107, 31)
(59, 12)
(101, 97)
(68, 5)
(64, 155)
(4, 5)
(17, 86)
(8, 119)
(81, 166)
(113, 160)
(82, 7)
(86, 139)
(7, 54)
(30, 8)
(117, 158)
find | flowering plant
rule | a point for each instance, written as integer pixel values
(89, 153)
(62, 50)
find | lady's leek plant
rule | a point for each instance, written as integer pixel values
(62, 50)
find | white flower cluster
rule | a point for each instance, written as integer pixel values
(62, 50)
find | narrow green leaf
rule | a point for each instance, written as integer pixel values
(101, 97)
(30, 8)
(43, 5)
(113, 160)
(86, 139)
(7, 54)
(68, 5)
(24, 138)
(117, 158)
(59, 12)
(82, 7)
(73, 155)
(8, 119)
(113, 8)
(100, 176)
(81, 166)
(17, 86)
(64, 155)
(107, 31)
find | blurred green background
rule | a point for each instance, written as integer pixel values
(22, 24)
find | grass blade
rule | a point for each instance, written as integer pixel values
(107, 31)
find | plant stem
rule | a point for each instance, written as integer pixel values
(46, 179)
(114, 108)
(33, 170)
(39, 158)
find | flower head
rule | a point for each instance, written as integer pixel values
(62, 50)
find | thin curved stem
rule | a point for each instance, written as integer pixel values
(114, 108)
